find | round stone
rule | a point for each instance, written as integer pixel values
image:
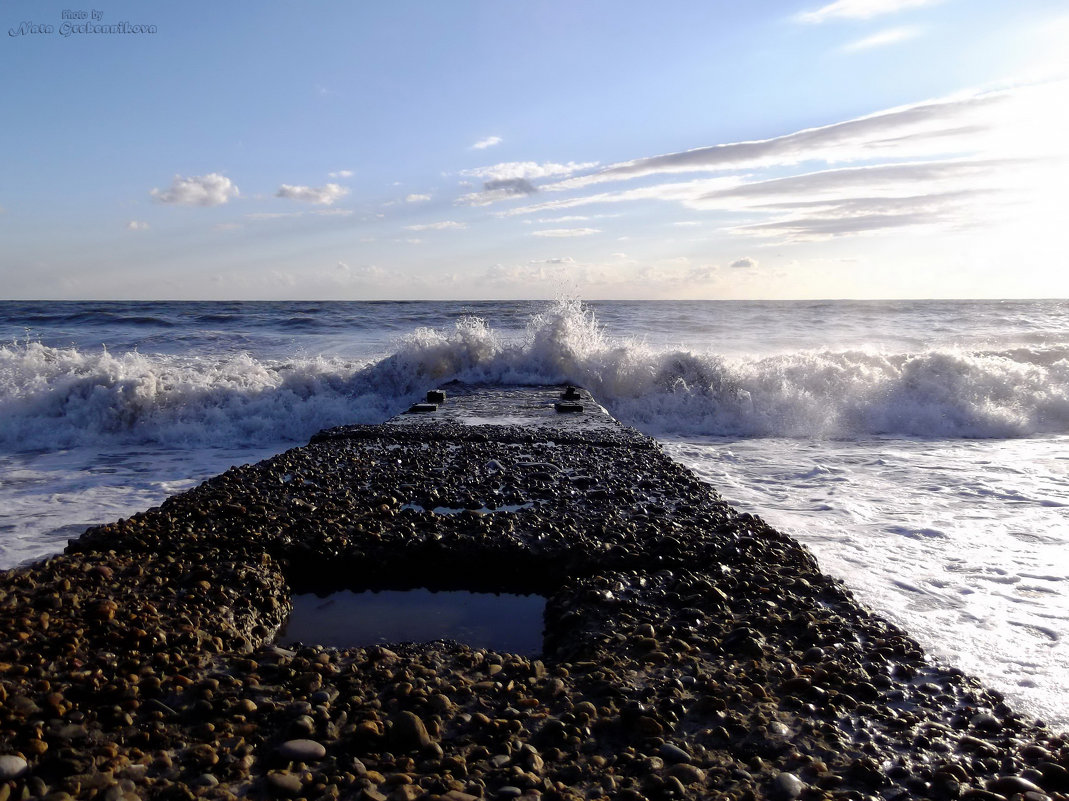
(302, 750)
(673, 753)
(11, 766)
(285, 783)
(1011, 785)
(687, 774)
(787, 785)
(409, 732)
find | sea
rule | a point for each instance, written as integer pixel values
(920, 449)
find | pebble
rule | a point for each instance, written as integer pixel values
(302, 750)
(288, 783)
(409, 733)
(11, 767)
(1009, 785)
(673, 753)
(787, 785)
(687, 774)
(985, 722)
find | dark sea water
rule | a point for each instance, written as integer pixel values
(921, 449)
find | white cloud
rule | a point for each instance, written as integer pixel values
(273, 215)
(416, 198)
(444, 225)
(289, 215)
(489, 141)
(340, 174)
(511, 179)
(212, 189)
(137, 225)
(883, 38)
(323, 195)
(745, 263)
(679, 191)
(860, 9)
(526, 170)
(566, 232)
(967, 162)
(363, 272)
(944, 126)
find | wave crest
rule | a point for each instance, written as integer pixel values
(56, 397)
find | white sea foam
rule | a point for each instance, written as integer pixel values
(59, 397)
(952, 540)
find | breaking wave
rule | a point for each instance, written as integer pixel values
(64, 397)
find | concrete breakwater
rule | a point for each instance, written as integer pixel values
(688, 650)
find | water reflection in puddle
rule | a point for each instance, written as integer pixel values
(507, 623)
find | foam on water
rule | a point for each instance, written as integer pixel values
(965, 544)
(61, 397)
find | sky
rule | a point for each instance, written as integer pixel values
(521, 149)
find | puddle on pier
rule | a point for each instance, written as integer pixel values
(506, 623)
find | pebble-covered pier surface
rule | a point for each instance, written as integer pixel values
(689, 651)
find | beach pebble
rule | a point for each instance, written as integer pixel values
(302, 750)
(673, 753)
(11, 766)
(285, 783)
(985, 722)
(409, 733)
(1010, 785)
(787, 785)
(687, 774)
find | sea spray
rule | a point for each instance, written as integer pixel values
(59, 397)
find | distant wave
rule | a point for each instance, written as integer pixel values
(56, 397)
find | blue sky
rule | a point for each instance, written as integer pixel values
(858, 148)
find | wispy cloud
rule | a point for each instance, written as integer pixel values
(444, 225)
(340, 174)
(944, 126)
(489, 141)
(528, 170)
(959, 163)
(370, 273)
(212, 189)
(859, 9)
(678, 191)
(883, 38)
(511, 179)
(137, 225)
(288, 215)
(416, 198)
(322, 195)
(560, 233)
